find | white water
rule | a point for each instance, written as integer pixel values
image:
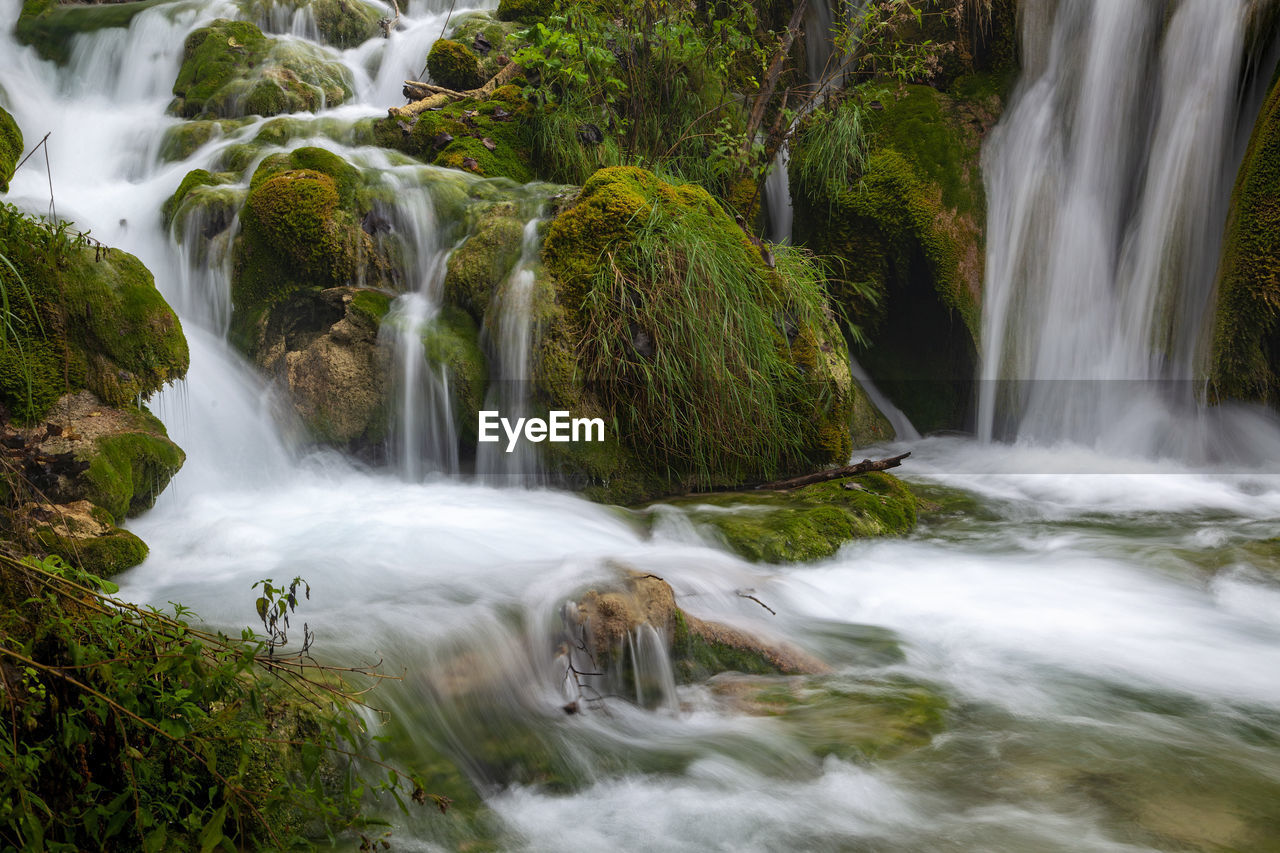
(1108, 643)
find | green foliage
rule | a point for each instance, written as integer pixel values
(716, 368)
(124, 728)
(1246, 344)
(10, 148)
(453, 66)
(835, 149)
(89, 317)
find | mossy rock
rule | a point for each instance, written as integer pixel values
(346, 23)
(1246, 343)
(184, 139)
(301, 228)
(93, 319)
(478, 267)
(10, 148)
(499, 35)
(806, 524)
(524, 11)
(230, 69)
(454, 136)
(51, 27)
(860, 719)
(912, 230)
(453, 66)
(763, 334)
(452, 343)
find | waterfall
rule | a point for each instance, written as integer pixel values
(511, 341)
(1108, 181)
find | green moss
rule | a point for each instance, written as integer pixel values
(230, 69)
(479, 266)
(1246, 345)
(469, 122)
(910, 233)
(128, 471)
(183, 139)
(51, 27)
(10, 148)
(94, 320)
(452, 342)
(345, 23)
(524, 11)
(499, 34)
(373, 304)
(808, 524)
(711, 369)
(193, 179)
(694, 658)
(453, 66)
(105, 555)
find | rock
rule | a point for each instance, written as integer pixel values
(124, 456)
(699, 649)
(453, 66)
(1245, 362)
(10, 148)
(452, 343)
(479, 266)
(752, 380)
(806, 524)
(51, 26)
(322, 346)
(230, 69)
(83, 535)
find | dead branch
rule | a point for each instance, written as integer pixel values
(771, 76)
(864, 467)
(389, 24)
(438, 96)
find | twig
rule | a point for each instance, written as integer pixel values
(757, 601)
(863, 467)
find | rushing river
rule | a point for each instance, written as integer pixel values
(1079, 649)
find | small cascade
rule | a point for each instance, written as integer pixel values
(511, 343)
(654, 679)
(777, 196)
(903, 430)
(1104, 226)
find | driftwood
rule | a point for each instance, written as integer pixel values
(863, 467)
(389, 24)
(430, 96)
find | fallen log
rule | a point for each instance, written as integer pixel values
(864, 467)
(436, 96)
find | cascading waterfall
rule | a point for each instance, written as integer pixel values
(1084, 650)
(511, 341)
(1105, 215)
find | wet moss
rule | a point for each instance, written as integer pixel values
(452, 343)
(10, 148)
(108, 553)
(230, 69)
(499, 35)
(1246, 345)
(183, 139)
(127, 471)
(345, 23)
(807, 524)
(524, 11)
(695, 658)
(51, 27)
(453, 66)
(479, 266)
(454, 135)
(911, 232)
(194, 178)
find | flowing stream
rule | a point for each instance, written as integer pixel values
(1078, 650)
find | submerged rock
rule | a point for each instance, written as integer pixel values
(805, 524)
(230, 69)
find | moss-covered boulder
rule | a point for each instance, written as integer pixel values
(81, 315)
(183, 139)
(478, 267)
(909, 235)
(302, 228)
(804, 524)
(230, 69)
(488, 137)
(341, 23)
(608, 620)
(50, 26)
(1246, 343)
(453, 66)
(10, 148)
(83, 535)
(322, 347)
(524, 11)
(714, 368)
(491, 41)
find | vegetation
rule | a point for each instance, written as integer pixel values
(1246, 346)
(10, 148)
(453, 66)
(125, 728)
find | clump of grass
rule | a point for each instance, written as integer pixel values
(690, 337)
(835, 148)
